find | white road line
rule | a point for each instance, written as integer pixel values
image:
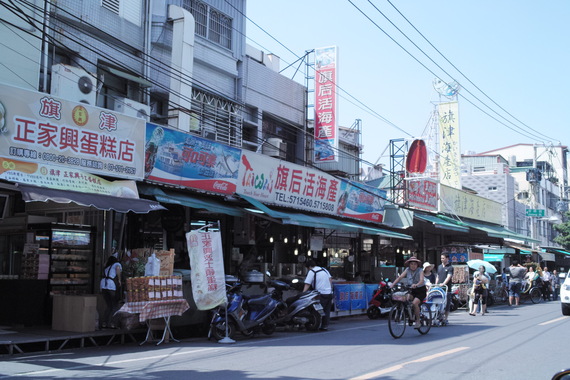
(552, 321)
(397, 367)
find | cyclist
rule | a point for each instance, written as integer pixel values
(414, 275)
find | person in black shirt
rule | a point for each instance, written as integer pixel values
(444, 276)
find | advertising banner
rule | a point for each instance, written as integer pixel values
(282, 183)
(55, 177)
(326, 128)
(456, 202)
(182, 159)
(207, 263)
(42, 129)
(449, 154)
(342, 297)
(357, 297)
(422, 194)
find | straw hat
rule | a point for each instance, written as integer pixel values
(427, 264)
(412, 259)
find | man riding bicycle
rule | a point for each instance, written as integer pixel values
(414, 275)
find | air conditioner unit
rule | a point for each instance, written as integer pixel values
(274, 147)
(73, 83)
(131, 108)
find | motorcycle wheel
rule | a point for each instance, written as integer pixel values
(269, 326)
(219, 330)
(315, 320)
(373, 312)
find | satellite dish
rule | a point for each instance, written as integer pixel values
(448, 90)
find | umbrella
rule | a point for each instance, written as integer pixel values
(475, 264)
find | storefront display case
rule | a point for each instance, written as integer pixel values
(70, 248)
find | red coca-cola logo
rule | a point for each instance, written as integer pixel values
(221, 186)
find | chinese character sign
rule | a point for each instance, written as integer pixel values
(207, 263)
(43, 129)
(422, 194)
(449, 150)
(326, 131)
(457, 202)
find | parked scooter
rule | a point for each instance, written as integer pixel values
(381, 302)
(247, 315)
(303, 309)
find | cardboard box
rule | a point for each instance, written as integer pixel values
(166, 262)
(74, 313)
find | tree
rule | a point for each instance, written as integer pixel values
(563, 229)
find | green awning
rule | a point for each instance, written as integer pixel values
(322, 221)
(562, 251)
(440, 223)
(133, 78)
(494, 257)
(192, 201)
(492, 230)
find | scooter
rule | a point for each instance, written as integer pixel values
(303, 309)
(381, 302)
(247, 315)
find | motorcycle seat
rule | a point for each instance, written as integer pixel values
(258, 300)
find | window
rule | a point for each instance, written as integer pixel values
(130, 10)
(492, 188)
(210, 23)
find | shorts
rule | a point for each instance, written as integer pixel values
(514, 289)
(420, 292)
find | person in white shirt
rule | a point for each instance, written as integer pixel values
(480, 290)
(546, 284)
(320, 280)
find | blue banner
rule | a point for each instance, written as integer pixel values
(357, 298)
(342, 297)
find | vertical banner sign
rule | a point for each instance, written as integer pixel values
(207, 263)
(326, 79)
(449, 152)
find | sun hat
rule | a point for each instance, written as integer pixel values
(427, 264)
(414, 259)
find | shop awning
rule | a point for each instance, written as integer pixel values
(546, 256)
(99, 201)
(197, 202)
(562, 251)
(322, 221)
(494, 257)
(133, 78)
(492, 230)
(440, 223)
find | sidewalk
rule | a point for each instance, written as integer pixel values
(31, 339)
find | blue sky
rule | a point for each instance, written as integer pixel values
(516, 52)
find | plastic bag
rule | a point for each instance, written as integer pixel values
(152, 267)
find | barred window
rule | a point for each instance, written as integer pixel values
(210, 23)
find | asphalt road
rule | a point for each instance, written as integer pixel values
(528, 342)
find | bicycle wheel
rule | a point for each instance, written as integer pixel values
(502, 296)
(535, 295)
(397, 321)
(425, 319)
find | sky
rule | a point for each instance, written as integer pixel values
(511, 59)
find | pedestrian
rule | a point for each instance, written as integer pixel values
(111, 290)
(320, 280)
(546, 284)
(480, 291)
(429, 276)
(555, 285)
(444, 276)
(517, 276)
(415, 280)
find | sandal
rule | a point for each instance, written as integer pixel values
(473, 314)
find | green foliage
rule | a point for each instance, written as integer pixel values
(563, 229)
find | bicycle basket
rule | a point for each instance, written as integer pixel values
(400, 296)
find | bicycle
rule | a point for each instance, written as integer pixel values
(403, 313)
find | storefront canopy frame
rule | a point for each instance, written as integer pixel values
(440, 223)
(322, 221)
(192, 201)
(491, 230)
(99, 201)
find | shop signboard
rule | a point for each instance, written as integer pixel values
(457, 254)
(285, 184)
(182, 159)
(422, 194)
(45, 130)
(457, 202)
(326, 128)
(56, 177)
(450, 154)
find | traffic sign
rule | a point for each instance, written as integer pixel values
(539, 213)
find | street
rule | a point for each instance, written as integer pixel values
(528, 342)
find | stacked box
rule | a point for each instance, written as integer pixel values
(154, 288)
(74, 313)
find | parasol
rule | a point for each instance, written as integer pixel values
(475, 264)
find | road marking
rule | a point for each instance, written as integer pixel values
(397, 367)
(552, 321)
